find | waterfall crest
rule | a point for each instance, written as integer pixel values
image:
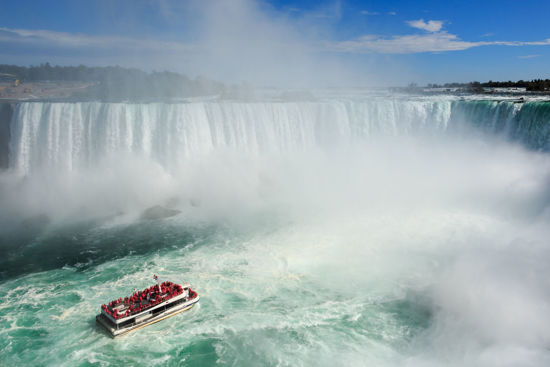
(69, 136)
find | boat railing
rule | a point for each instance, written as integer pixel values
(156, 312)
(143, 300)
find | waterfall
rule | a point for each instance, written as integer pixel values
(69, 136)
(528, 123)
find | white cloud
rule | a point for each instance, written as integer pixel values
(77, 40)
(433, 42)
(417, 43)
(536, 43)
(528, 56)
(392, 13)
(430, 25)
(399, 44)
(366, 12)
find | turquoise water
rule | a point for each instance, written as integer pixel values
(528, 123)
(257, 306)
(314, 236)
(372, 290)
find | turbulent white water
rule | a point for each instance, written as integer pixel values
(384, 231)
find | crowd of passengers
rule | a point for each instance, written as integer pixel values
(142, 300)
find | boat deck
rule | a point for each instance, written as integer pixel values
(146, 307)
(148, 318)
(148, 298)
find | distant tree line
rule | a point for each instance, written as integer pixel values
(536, 85)
(115, 82)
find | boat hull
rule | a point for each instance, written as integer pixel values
(114, 332)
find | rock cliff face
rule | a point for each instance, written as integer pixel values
(6, 113)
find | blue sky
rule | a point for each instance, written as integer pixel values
(345, 42)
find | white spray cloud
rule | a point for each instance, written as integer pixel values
(233, 41)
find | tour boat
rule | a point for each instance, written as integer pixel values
(146, 307)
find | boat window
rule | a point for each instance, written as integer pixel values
(127, 322)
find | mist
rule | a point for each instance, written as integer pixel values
(236, 42)
(71, 160)
(248, 41)
(454, 225)
(387, 204)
